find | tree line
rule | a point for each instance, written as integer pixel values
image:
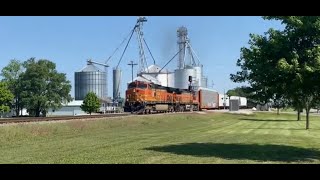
(284, 65)
(35, 85)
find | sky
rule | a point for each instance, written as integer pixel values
(69, 41)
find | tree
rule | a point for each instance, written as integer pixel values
(43, 87)
(91, 103)
(303, 69)
(6, 98)
(285, 63)
(258, 67)
(11, 75)
(235, 92)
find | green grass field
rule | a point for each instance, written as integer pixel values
(171, 138)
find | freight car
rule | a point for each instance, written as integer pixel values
(143, 97)
(208, 98)
(242, 101)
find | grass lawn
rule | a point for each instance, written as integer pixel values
(171, 138)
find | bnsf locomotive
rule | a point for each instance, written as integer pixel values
(144, 97)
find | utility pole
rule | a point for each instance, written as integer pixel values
(224, 96)
(132, 64)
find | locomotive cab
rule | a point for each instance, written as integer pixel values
(135, 95)
(136, 91)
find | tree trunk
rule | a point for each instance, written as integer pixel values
(299, 114)
(17, 108)
(17, 111)
(38, 110)
(278, 111)
(307, 117)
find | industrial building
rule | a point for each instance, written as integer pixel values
(153, 74)
(73, 109)
(69, 109)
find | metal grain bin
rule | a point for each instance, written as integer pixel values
(90, 79)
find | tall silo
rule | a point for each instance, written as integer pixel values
(182, 34)
(198, 76)
(181, 77)
(166, 79)
(90, 79)
(116, 83)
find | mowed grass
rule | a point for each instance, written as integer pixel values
(170, 138)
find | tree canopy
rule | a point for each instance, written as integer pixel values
(284, 64)
(43, 87)
(12, 76)
(6, 98)
(91, 103)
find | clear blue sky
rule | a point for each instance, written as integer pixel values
(70, 41)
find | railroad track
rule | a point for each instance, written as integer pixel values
(61, 118)
(39, 119)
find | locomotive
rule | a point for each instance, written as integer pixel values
(144, 97)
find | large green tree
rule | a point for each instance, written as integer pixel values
(6, 98)
(303, 69)
(91, 103)
(43, 86)
(238, 91)
(12, 76)
(284, 63)
(258, 64)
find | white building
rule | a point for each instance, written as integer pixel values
(70, 109)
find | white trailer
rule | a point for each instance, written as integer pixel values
(242, 101)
